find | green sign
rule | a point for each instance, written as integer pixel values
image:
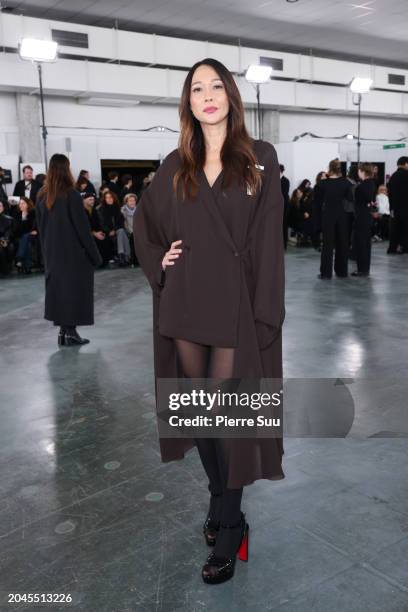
(400, 145)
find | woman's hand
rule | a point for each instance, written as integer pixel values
(172, 253)
(99, 235)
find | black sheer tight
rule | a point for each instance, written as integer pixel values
(202, 361)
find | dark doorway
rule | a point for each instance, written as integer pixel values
(352, 170)
(137, 168)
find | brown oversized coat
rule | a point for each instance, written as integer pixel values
(226, 289)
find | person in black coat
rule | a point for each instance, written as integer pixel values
(102, 243)
(88, 187)
(317, 204)
(364, 202)
(127, 187)
(285, 187)
(336, 196)
(398, 196)
(113, 183)
(70, 253)
(28, 187)
(3, 194)
(6, 240)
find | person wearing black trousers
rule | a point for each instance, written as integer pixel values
(70, 253)
(317, 210)
(364, 204)
(285, 187)
(336, 196)
(398, 196)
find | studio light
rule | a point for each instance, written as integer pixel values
(258, 73)
(361, 85)
(349, 136)
(38, 50)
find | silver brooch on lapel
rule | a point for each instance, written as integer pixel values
(258, 167)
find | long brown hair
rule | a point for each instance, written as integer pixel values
(237, 156)
(114, 198)
(29, 202)
(58, 181)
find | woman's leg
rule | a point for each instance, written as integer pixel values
(221, 367)
(193, 358)
(123, 246)
(194, 363)
(200, 361)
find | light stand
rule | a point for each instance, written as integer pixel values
(258, 110)
(43, 126)
(358, 104)
(39, 51)
(258, 74)
(358, 86)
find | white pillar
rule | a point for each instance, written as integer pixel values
(271, 126)
(29, 131)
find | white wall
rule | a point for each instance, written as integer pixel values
(305, 159)
(99, 132)
(96, 133)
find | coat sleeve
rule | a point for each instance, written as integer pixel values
(267, 254)
(151, 227)
(82, 227)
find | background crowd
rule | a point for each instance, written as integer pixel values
(341, 216)
(110, 213)
(338, 216)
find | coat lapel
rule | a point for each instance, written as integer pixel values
(209, 195)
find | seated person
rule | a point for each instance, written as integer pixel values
(111, 223)
(26, 233)
(6, 240)
(103, 245)
(128, 210)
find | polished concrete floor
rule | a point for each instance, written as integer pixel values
(88, 509)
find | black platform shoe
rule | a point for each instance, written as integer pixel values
(212, 523)
(219, 569)
(75, 340)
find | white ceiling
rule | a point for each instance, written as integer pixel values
(374, 29)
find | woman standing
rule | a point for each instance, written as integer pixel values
(317, 210)
(70, 253)
(208, 235)
(337, 199)
(364, 207)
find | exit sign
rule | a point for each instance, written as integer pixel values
(400, 145)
